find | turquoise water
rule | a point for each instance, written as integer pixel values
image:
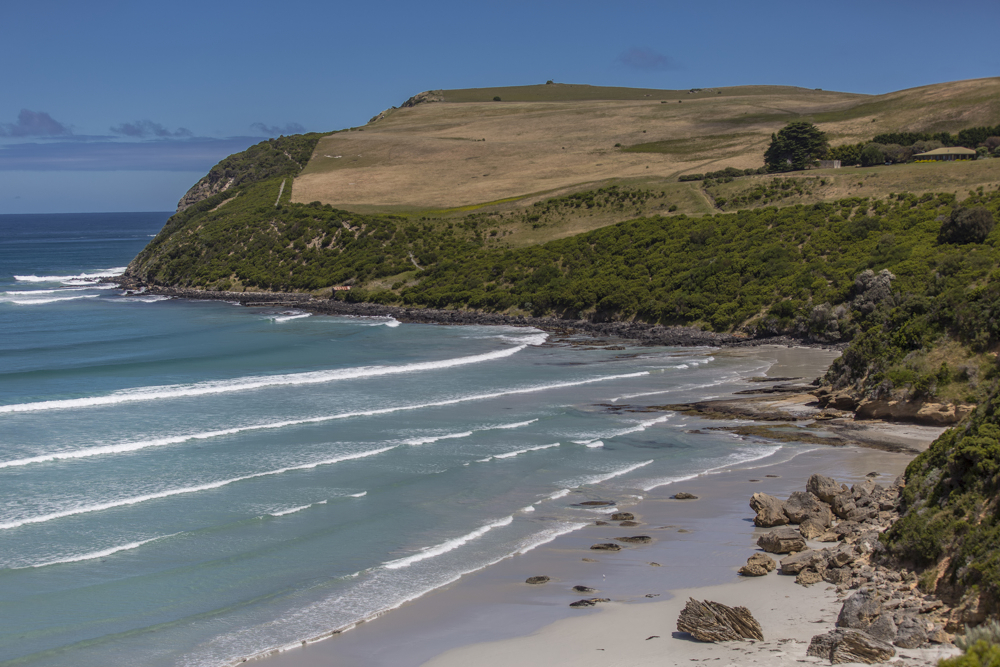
(189, 483)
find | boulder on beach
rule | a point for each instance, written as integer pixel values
(803, 560)
(824, 488)
(584, 589)
(758, 565)
(683, 495)
(808, 577)
(812, 528)
(782, 541)
(770, 511)
(627, 524)
(849, 645)
(635, 539)
(802, 505)
(607, 546)
(623, 516)
(541, 579)
(715, 622)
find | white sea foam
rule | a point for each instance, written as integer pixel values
(509, 455)
(597, 479)
(254, 382)
(52, 299)
(641, 426)
(286, 317)
(561, 493)
(517, 425)
(450, 545)
(594, 443)
(178, 439)
(98, 507)
(105, 273)
(293, 510)
(748, 455)
(548, 535)
(529, 508)
(356, 495)
(152, 298)
(434, 438)
(100, 554)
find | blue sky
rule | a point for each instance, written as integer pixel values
(121, 106)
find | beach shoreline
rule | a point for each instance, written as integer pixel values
(638, 332)
(492, 617)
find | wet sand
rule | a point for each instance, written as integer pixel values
(492, 617)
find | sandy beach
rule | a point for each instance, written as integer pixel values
(492, 617)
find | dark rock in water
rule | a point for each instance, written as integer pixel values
(588, 602)
(715, 622)
(683, 530)
(683, 495)
(584, 589)
(754, 480)
(627, 524)
(590, 560)
(597, 503)
(607, 546)
(655, 564)
(622, 516)
(635, 539)
(849, 645)
(773, 476)
(537, 580)
(770, 511)
(601, 523)
(782, 541)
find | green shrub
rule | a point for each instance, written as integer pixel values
(981, 654)
(966, 225)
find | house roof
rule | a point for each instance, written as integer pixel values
(954, 150)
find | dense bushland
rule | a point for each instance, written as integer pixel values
(952, 508)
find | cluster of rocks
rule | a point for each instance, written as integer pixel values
(886, 608)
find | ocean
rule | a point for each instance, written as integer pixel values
(190, 483)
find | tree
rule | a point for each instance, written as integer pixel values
(795, 146)
(966, 225)
(872, 154)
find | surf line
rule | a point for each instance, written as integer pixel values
(187, 489)
(253, 382)
(159, 442)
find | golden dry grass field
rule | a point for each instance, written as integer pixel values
(461, 149)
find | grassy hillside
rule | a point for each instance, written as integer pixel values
(460, 149)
